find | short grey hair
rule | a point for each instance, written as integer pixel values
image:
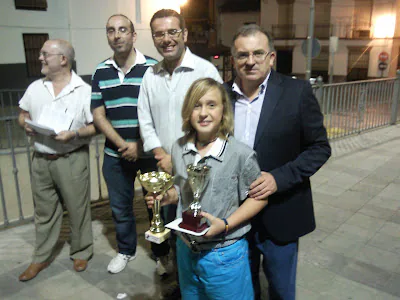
(67, 50)
(250, 30)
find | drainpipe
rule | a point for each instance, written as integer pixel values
(69, 22)
(138, 12)
(310, 40)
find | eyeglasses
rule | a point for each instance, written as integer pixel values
(46, 55)
(122, 31)
(259, 56)
(173, 33)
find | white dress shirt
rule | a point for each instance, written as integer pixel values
(247, 114)
(74, 99)
(161, 98)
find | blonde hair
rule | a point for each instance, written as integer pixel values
(197, 90)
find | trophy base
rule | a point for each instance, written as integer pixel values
(157, 238)
(192, 223)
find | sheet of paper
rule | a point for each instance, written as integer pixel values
(40, 128)
(58, 119)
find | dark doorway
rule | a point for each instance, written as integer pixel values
(357, 74)
(284, 61)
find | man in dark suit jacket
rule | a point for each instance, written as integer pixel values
(280, 118)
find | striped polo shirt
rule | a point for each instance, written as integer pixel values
(119, 95)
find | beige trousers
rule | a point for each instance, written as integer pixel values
(66, 179)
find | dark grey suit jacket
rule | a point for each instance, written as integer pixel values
(291, 143)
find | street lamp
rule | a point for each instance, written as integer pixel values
(384, 26)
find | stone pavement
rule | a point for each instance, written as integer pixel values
(353, 254)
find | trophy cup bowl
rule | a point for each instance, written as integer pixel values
(191, 218)
(156, 183)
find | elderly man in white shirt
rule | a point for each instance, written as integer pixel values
(60, 164)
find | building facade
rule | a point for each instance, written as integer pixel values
(26, 24)
(368, 33)
(366, 29)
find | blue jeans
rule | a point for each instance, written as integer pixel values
(279, 265)
(120, 175)
(222, 273)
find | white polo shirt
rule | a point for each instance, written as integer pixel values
(74, 99)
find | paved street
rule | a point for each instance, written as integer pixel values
(353, 254)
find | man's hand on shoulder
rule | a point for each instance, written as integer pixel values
(129, 151)
(263, 186)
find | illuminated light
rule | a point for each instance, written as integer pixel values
(384, 26)
(170, 4)
(182, 2)
(216, 56)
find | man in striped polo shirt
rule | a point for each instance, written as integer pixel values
(115, 90)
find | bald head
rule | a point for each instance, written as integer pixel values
(123, 16)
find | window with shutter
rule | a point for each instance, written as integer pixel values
(31, 4)
(33, 42)
(358, 62)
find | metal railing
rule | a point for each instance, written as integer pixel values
(353, 107)
(16, 204)
(9, 113)
(321, 31)
(348, 108)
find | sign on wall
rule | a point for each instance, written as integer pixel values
(383, 56)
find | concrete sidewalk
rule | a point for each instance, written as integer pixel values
(353, 254)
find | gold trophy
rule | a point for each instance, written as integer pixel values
(156, 183)
(191, 218)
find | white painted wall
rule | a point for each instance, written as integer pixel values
(80, 21)
(299, 61)
(268, 13)
(341, 60)
(378, 46)
(301, 15)
(342, 16)
(230, 22)
(15, 22)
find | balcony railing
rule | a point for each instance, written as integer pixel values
(321, 31)
(285, 31)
